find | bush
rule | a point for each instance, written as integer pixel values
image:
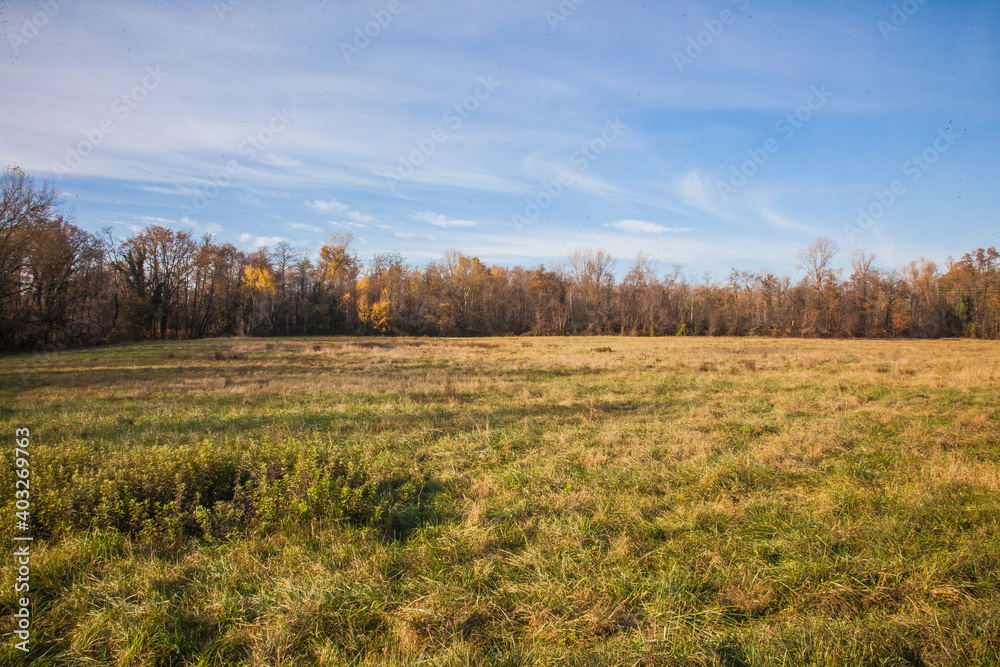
(205, 491)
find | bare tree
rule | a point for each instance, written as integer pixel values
(591, 291)
(25, 207)
(816, 261)
(863, 283)
(153, 266)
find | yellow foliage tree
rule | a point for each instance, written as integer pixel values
(374, 314)
(380, 315)
(258, 280)
(335, 260)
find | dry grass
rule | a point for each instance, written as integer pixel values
(582, 501)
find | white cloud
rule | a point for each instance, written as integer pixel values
(327, 206)
(175, 190)
(212, 228)
(695, 191)
(360, 217)
(280, 161)
(644, 227)
(358, 225)
(331, 206)
(252, 242)
(299, 225)
(442, 220)
(785, 223)
(135, 229)
(151, 220)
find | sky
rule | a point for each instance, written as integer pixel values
(708, 135)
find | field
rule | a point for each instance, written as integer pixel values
(517, 501)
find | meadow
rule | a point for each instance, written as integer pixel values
(509, 501)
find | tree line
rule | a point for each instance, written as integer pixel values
(62, 287)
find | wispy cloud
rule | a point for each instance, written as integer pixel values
(347, 225)
(327, 206)
(785, 223)
(442, 220)
(695, 191)
(182, 190)
(251, 242)
(645, 227)
(299, 225)
(211, 228)
(153, 220)
(358, 218)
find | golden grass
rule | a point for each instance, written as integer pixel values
(584, 501)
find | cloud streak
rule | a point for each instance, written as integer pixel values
(442, 221)
(645, 227)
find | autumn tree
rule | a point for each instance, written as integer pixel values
(923, 287)
(822, 281)
(259, 286)
(549, 290)
(467, 280)
(973, 292)
(62, 286)
(54, 256)
(860, 305)
(337, 274)
(591, 303)
(211, 297)
(152, 268)
(640, 297)
(25, 208)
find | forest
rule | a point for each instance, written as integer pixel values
(63, 287)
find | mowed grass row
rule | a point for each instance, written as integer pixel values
(518, 501)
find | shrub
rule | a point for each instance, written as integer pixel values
(205, 491)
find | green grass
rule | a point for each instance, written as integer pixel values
(573, 501)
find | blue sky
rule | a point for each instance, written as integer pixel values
(708, 134)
